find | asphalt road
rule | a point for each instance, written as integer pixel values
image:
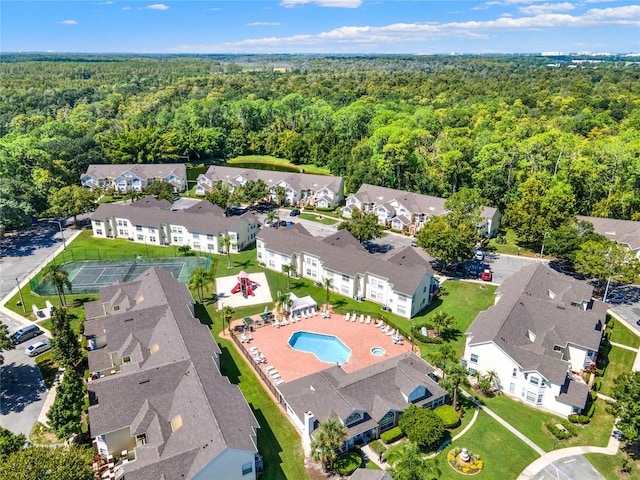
(22, 391)
(570, 468)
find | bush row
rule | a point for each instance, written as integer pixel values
(392, 435)
(568, 432)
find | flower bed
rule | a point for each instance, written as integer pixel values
(471, 467)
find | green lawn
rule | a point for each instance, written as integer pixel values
(247, 160)
(504, 454)
(314, 218)
(464, 300)
(620, 361)
(620, 333)
(512, 245)
(609, 466)
(530, 421)
(48, 369)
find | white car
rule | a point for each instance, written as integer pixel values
(38, 348)
(478, 256)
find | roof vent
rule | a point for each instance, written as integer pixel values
(128, 319)
(561, 307)
(176, 423)
(144, 380)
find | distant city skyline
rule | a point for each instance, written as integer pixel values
(320, 26)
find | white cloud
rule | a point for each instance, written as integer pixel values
(357, 38)
(68, 22)
(126, 8)
(157, 6)
(323, 3)
(547, 8)
(214, 9)
(263, 24)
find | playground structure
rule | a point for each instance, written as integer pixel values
(245, 285)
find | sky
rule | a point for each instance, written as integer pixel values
(320, 26)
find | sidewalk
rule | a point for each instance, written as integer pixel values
(636, 363)
(548, 458)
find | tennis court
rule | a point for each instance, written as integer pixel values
(88, 276)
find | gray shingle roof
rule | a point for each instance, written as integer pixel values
(525, 305)
(342, 253)
(180, 378)
(365, 474)
(621, 231)
(144, 171)
(373, 389)
(200, 218)
(416, 203)
(297, 181)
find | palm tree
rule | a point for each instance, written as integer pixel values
(408, 463)
(493, 378)
(457, 375)
(289, 269)
(227, 314)
(199, 278)
(227, 248)
(331, 436)
(283, 301)
(281, 195)
(59, 278)
(132, 195)
(442, 322)
(328, 282)
(271, 216)
(440, 356)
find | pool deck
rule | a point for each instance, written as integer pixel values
(291, 364)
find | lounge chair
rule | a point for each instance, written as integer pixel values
(284, 322)
(298, 317)
(279, 381)
(378, 323)
(314, 312)
(346, 317)
(353, 317)
(368, 319)
(304, 314)
(269, 368)
(386, 329)
(391, 332)
(275, 376)
(276, 324)
(361, 318)
(253, 349)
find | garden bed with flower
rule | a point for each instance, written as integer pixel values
(465, 462)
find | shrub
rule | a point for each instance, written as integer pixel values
(597, 384)
(324, 209)
(573, 418)
(377, 447)
(415, 331)
(422, 426)
(348, 462)
(396, 230)
(569, 429)
(591, 410)
(391, 435)
(583, 419)
(448, 415)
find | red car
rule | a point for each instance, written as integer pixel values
(487, 276)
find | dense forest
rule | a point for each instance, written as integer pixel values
(570, 130)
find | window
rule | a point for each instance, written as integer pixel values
(122, 231)
(557, 348)
(531, 397)
(540, 396)
(209, 237)
(97, 222)
(138, 228)
(534, 380)
(99, 231)
(344, 289)
(387, 421)
(351, 419)
(471, 371)
(345, 278)
(247, 468)
(401, 310)
(196, 235)
(473, 358)
(141, 440)
(196, 245)
(512, 388)
(152, 239)
(140, 238)
(272, 263)
(402, 299)
(514, 373)
(209, 246)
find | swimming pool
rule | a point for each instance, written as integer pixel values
(326, 347)
(378, 352)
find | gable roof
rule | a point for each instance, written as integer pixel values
(141, 170)
(179, 378)
(373, 389)
(416, 203)
(203, 217)
(525, 305)
(620, 231)
(342, 253)
(297, 181)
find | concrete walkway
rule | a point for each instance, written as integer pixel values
(626, 347)
(548, 458)
(636, 363)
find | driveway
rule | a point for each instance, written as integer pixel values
(630, 310)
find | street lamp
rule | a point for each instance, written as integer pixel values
(64, 242)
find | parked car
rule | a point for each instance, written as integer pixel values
(487, 275)
(460, 270)
(478, 256)
(616, 298)
(294, 213)
(38, 348)
(25, 333)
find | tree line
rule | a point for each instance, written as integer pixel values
(430, 125)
